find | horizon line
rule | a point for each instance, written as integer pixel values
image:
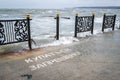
(118, 7)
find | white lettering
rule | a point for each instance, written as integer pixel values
(32, 68)
(28, 60)
(49, 62)
(39, 57)
(47, 55)
(41, 65)
(35, 59)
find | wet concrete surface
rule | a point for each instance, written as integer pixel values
(93, 58)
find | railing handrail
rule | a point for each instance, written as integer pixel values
(85, 16)
(5, 20)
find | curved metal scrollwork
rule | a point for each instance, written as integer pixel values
(21, 31)
(2, 34)
(108, 21)
(84, 23)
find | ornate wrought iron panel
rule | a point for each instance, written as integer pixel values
(84, 23)
(109, 21)
(2, 34)
(21, 29)
(13, 31)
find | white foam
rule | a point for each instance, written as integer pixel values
(97, 31)
(117, 24)
(50, 11)
(62, 41)
(84, 34)
(68, 40)
(98, 20)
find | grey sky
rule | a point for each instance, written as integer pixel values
(56, 3)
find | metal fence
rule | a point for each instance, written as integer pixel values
(108, 21)
(83, 24)
(14, 31)
(18, 30)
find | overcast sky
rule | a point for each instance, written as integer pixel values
(56, 3)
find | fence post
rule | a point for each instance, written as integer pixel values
(114, 23)
(76, 21)
(57, 26)
(103, 22)
(92, 23)
(119, 26)
(29, 33)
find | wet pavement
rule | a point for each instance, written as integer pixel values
(92, 58)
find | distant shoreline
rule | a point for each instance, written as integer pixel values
(86, 7)
(102, 7)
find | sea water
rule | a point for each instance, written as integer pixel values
(43, 24)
